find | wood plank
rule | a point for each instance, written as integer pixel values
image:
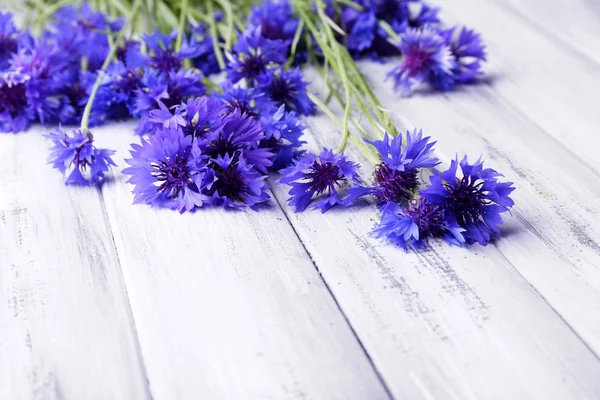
(229, 305)
(574, 26)
(553, 243)
(558, 194)
(450, 322)
(66, 330)
(555, 86)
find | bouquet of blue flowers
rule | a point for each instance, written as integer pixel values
(220, 95)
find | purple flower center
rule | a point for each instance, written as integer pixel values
(466, 200)
(78, 162)
(416, 60)
(13, 99)
(244, 106)
(173, 173)
(196, 129)
(429, 218)
(323, 176)
(8, 46)
(121, 52)
(75, 94)
(222, 146)
(176, 96)
(388, 10)
(252, 66)
(165, 61)
(394, 186)
(272, 31)
(229, 183)
(279, 91)
(129, 82)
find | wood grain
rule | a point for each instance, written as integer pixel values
(554, 85)
(574, 26)
(228, 305)
(552, 241)
(65, 326)
(446, 322)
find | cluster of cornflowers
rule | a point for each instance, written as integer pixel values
(50, 78)
(462, 207)
(432, 53)
(215, 145)
(198, 147)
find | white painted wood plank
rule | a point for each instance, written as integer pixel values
(228, 305)
(575, 24)
(456, 323)
(555, 86)
(554, 243)
(65, 326)
(562, 193)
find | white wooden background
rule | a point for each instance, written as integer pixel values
(100, 299)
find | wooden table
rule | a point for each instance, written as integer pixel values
(100, 299)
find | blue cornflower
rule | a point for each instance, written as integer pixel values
(282, 135)
(239, 133)
(252, 55)
(248, 101)
(206, 59)
(362, 31)
(171, 89)
(29, 88)
(473, 202)
(130, 54)
(153, 89)
(366, 37)
(323, 175)
(74, 98)
(8, 39)
(275, 20)
(81, 33)
(163, 58)
(15, 115)
(468, 49)
(285, 86)
(169, 170)
(427, 58)
(116, 96)
(236, 183)
(423, 15)
(197, 117)
(200, 115)
(163, 118)
(182, 85)
(77, 158)
(396, 177)
(416, 223)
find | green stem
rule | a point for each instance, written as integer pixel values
(327, 28)
(49, 10)
(212, 26)
(295, 42)
(359, 144)
(85, 118)
(182, 14)
(230, 28)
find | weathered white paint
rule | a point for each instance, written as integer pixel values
(446, 322)
(66, 330)
(573, 26)
(554, 243)
(228, 305)
(547, 81)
